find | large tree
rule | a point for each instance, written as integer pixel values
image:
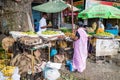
(13, 14)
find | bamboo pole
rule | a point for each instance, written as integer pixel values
(49, 52)
(32, 62)
(72, 16)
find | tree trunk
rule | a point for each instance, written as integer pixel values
(13, 15)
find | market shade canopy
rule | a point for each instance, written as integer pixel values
(51, 6)
(100, 11)
(74, 8)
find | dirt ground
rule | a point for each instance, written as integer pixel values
(96, 71)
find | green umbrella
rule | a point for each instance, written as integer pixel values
(100, 11)
(51, 6)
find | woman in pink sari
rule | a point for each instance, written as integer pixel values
(80, 49)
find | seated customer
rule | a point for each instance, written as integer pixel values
(109, 25)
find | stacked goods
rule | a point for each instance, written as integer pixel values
(50, 32)
(7, 43)
(23, 61)
(30, 40)
(104, 34)
(69, 34)
(26, 62)
(117, 37)
(62, 44)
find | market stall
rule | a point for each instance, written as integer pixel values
(27, 43)
(105, 44)
(103, 41)
(28, 48)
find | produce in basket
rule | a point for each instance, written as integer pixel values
(50, 32)
(104, 34)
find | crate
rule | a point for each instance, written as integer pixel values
(113, 31)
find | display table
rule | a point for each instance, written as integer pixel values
(106, 47)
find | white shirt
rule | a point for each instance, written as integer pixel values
(42, 23)
(101, 25)
(116, 26)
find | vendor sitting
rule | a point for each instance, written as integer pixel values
(100, 27)
(116, 26)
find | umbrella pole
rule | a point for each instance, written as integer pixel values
(72, 16)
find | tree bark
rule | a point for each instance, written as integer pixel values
(13, 15)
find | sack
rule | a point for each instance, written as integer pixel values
(51, 74)
(53, 52)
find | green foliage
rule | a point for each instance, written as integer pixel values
(66, 30)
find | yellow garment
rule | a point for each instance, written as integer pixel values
(94, 26)
(99, 30)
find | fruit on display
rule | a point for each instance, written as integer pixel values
(62, 44)
(9, 79)
(69, 34)
(100, 30)
(90, 30)
(117, 37)
(8, 71)
(2, 66)
(104, 34)
(50, 32)
(29, 33)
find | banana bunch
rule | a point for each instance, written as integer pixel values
(2, 66)
(9, 79)
(68, 34)
(8, 71)
(62, 44)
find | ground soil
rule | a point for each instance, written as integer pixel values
(96, 71)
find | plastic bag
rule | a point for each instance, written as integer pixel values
(53, 65)
(51, 74)
(53, 52)
(1, 76)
